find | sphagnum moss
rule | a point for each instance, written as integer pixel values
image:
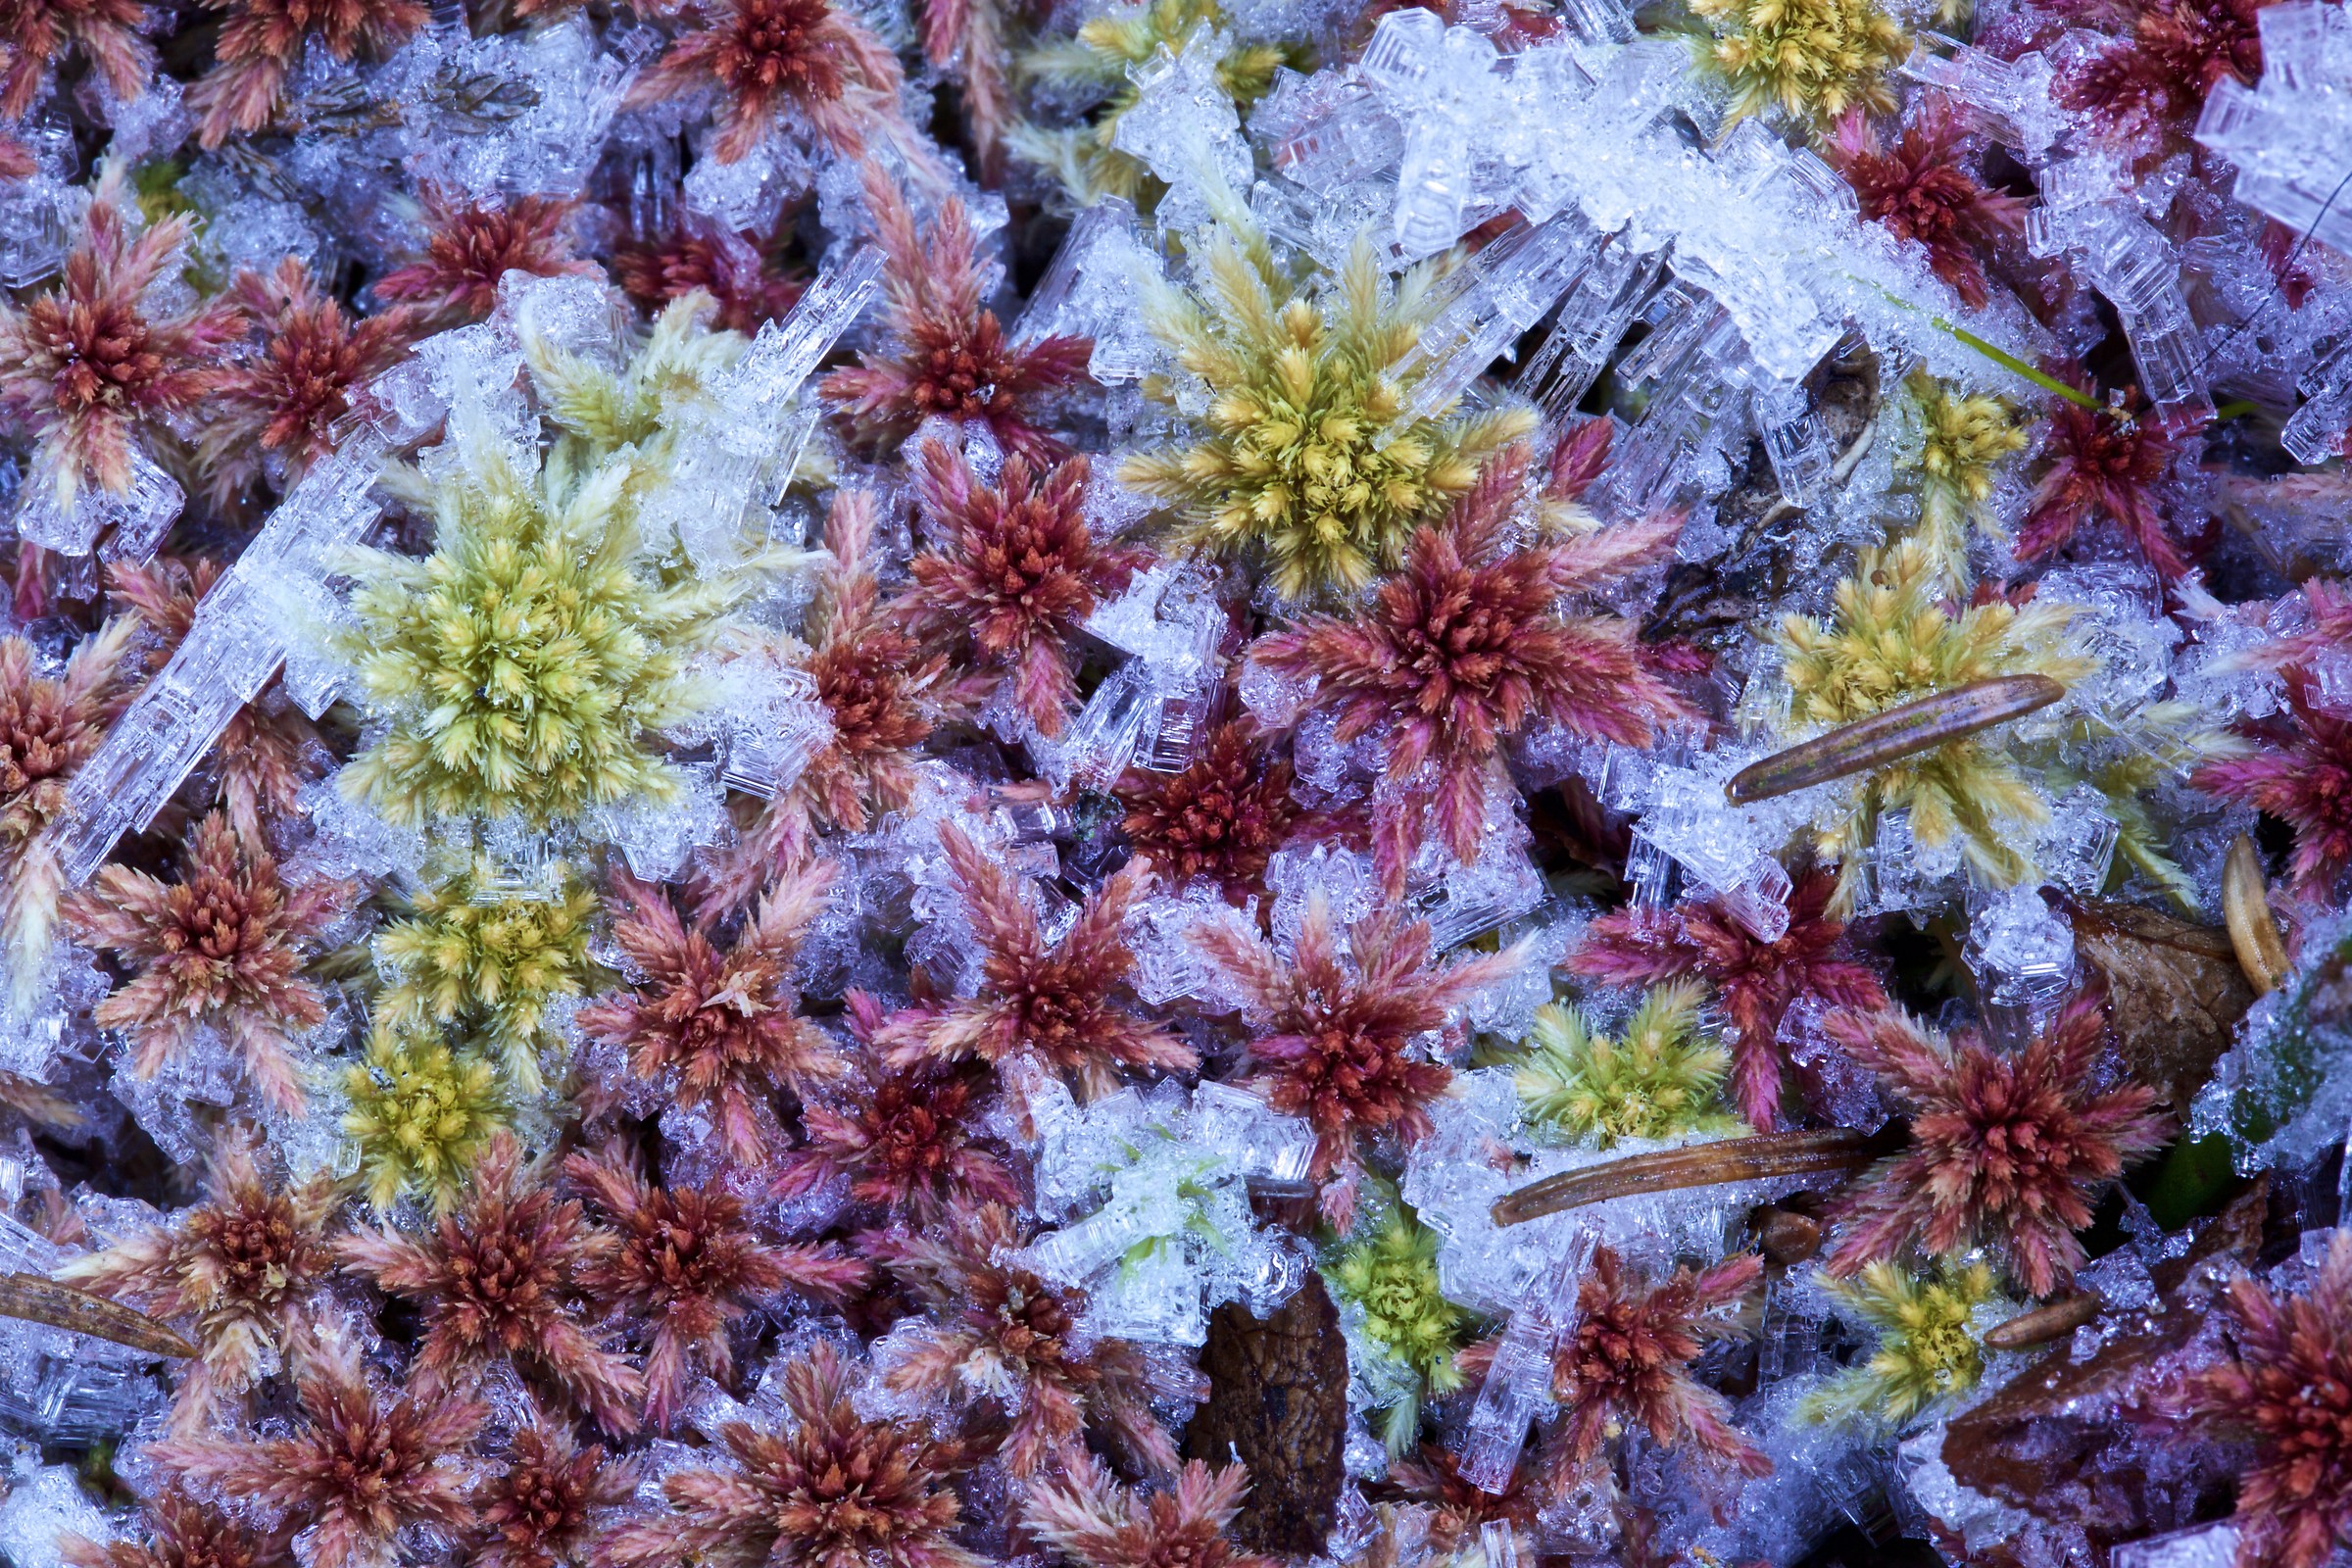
(1661, 1078)
(422, 1114)
(1814, 60)
(1308, 455)
(1927, 1348)
(523, 665)
(1897, 634)
(1391, 1276)
(1891, 639)
(1964, 438)
(468, 957)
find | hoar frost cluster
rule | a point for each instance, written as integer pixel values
(1175, 783)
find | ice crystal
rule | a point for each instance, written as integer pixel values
(269, 750)
(1099, 58)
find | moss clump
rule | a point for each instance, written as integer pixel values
(521, 668)
(1662, 1078)
(1813, 60)
(1390, 1277)
(1964, 438)
(1927, 1350)
(1306, 455)
(523, 665)
(1893, 638)
(488, 963)
(420, 1114)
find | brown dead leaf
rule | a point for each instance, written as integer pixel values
(2175, 991)
(1278, 1399)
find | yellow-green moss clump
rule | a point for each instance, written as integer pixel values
(420, 1114)
(1391, 1277)
(1305, 455)
(1662, 1078)
(489, 964)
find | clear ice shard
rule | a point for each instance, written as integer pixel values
(1089, 291)
(40, 1510)
(38, 221)
(131, 521)
(241, 635)
(2008, 99)
(1593, 317)
(2084, 213)
(2315, 432)
(2198, 1546)
(740, 448)
(1723, 848)
(1518, 1384)
(1489, 302)
(1182, 125)
(2023, 955)
(2290, 135)
(1171, 1232)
